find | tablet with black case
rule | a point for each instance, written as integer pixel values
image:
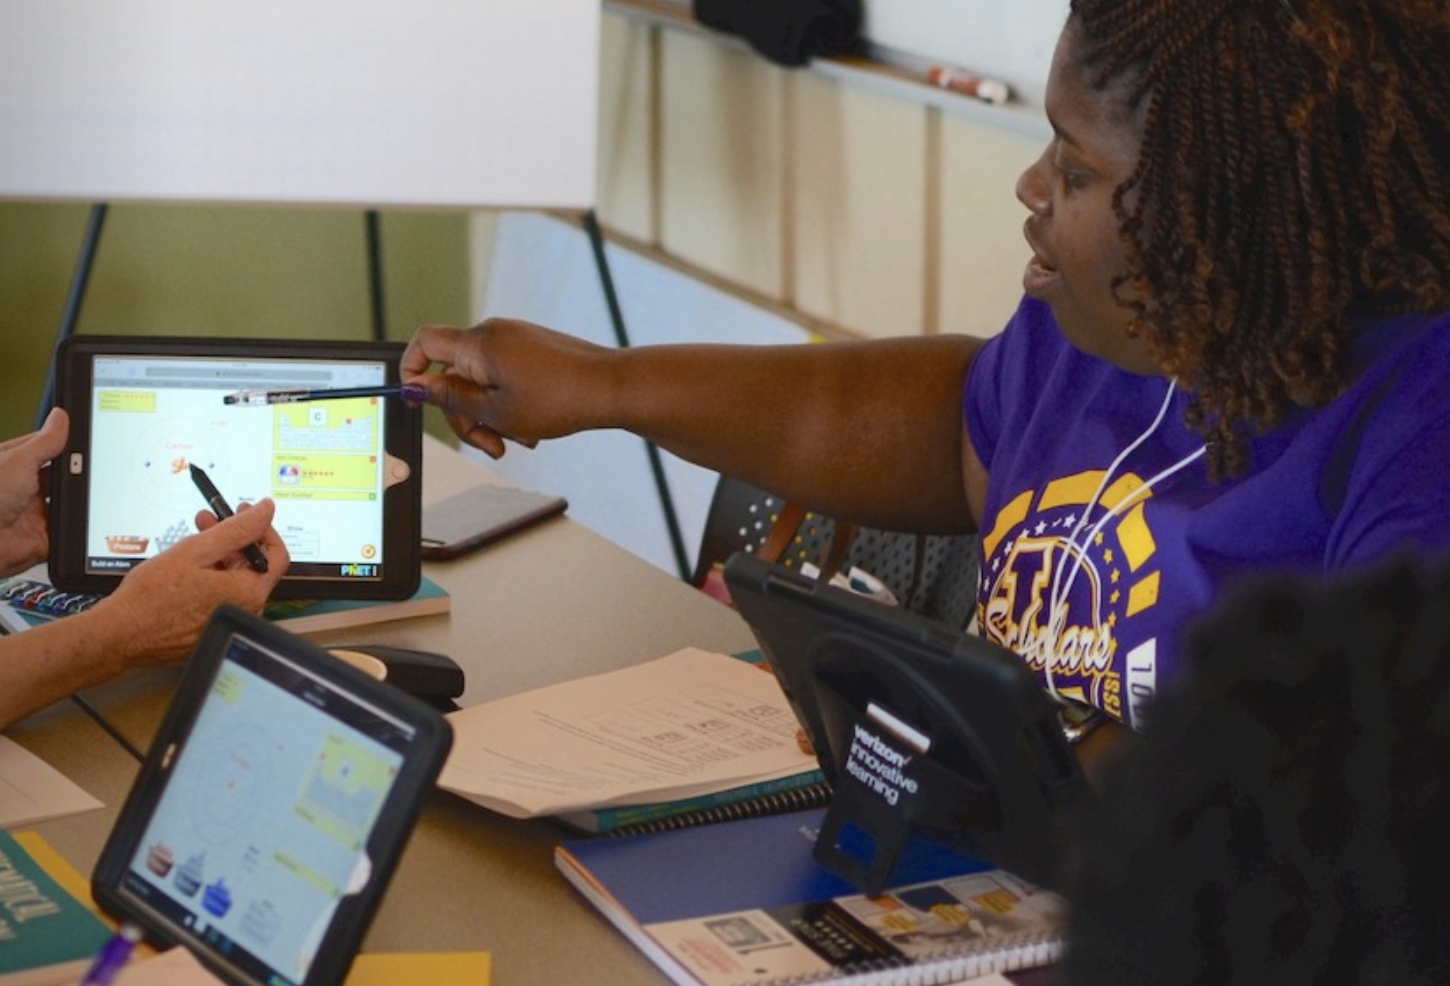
(918, 727)
(272, 807)
(346, 475)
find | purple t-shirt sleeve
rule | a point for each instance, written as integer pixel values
(1009, 370)
(1383, 481)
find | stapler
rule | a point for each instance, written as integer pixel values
(435, 678)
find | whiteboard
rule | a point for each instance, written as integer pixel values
(435, 103)
(1011, 40)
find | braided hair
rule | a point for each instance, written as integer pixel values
(1295, 171)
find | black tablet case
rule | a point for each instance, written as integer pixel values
(69, 481)
(998, 779)
(151, 894)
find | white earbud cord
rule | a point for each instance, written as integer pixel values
(1060, 589)
(1056, 593)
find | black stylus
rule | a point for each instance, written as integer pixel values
(219, 507)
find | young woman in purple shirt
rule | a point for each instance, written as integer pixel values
(1233, 355)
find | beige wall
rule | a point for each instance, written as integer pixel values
(874, 205)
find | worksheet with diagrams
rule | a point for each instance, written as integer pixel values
(691, 723)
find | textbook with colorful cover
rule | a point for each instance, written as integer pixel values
(47, 936)
(744, 904)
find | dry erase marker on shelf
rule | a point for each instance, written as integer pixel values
(992, 91)
(257, 398)
(219, 507)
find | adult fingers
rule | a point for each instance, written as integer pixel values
(278, 557)
(45, 443)
(476, 433)
(220, 540)
(430, 344)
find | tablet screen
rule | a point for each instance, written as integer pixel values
(148, 417)
(261, 817)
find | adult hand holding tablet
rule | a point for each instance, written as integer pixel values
(149, 414)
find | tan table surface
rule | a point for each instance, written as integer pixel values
(545, 605)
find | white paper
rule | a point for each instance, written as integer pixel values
(687, 724)
(33, 791)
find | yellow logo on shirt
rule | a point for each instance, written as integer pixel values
(1063, 570)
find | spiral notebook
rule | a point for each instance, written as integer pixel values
(745, 904)
(797, 792)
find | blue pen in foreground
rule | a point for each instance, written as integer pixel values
(261, 398)
(219, 506)
(112, 956)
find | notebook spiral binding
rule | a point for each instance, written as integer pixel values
(798, 799)
(944, 967)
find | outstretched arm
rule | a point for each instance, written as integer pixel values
(868, 431)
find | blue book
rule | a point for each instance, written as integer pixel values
(744, 904)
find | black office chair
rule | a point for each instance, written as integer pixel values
(934, 575)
